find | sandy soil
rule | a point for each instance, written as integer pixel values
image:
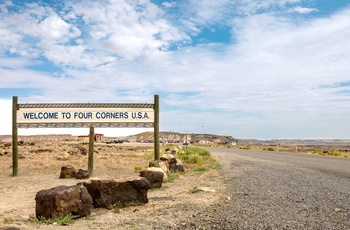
(39, 168)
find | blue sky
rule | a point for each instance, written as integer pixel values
(264, 69)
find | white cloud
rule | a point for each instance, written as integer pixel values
(275, 79)
(304, 10)
(129, 30)
(168, 4)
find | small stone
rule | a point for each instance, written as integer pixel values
(337, 209)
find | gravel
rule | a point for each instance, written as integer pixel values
(269, 194)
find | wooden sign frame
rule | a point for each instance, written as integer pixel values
(54, 115)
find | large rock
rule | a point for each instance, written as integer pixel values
(67, 171)
(155, 178)
(163, 164)
(63, 200)
(175, 165)
(118, 193)
(166, 157)
(158, 169)
(172, 151)
(82, 174)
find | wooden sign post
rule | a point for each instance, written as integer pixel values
(156, 127)
(79, 115)
(14, 137)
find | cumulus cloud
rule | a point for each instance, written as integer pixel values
(304, 10)
(277, 73)
(168, 4)
(124, 29)
(129, 29)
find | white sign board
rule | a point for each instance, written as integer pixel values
(55, 116)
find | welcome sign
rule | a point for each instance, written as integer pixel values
(84, 115)
(57, 115)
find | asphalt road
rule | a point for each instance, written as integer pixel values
(278, 190)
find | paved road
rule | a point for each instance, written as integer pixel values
(276, 190)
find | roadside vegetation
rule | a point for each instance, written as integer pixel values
(321, 150)
(62, 220)
(200, 158)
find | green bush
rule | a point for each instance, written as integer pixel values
(334, 154)
(62, 220)
(194, 156)
(137, 169)
(8, 221)
(201, 169)
(172, 177)
(195, 159)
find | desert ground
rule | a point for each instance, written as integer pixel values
(39, 168)
(170, 207)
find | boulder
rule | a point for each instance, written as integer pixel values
(173, 151)
(164, 165)
(118, 193)
(82, 174)
(175, 165)
(177, 168)
(166, 157)
(62, 201)
(67, 171)
(155, 178)
(158, 169)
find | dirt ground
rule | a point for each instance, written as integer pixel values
(39, 168)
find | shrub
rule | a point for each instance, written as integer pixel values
(194, 156)
(195, 190)
(137, 169)
(334, 154)
(195, 159)
(172, 176)
(62, 220)
(8, 221)
(201, 169)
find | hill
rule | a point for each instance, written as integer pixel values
(170, 137)
(175, 137)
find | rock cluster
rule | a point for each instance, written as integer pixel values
(78, 199)
(68, 171)
(159, 169)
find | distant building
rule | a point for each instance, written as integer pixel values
(85, 138)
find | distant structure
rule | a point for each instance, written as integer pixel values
(97, 138)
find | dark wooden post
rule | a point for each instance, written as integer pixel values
(91, 150)
(156, 127)
(14, 136)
